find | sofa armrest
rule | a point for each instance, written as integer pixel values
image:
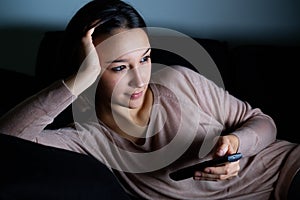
(32, 171)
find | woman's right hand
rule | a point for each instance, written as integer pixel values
(89, 69)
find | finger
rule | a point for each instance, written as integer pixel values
(227, 169)
(222, 149)
(214, 177)
(208, 177)
(93, 25)
(91, 31)
(96, 23)
(231, 150)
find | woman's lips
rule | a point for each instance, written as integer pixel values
(136, 95)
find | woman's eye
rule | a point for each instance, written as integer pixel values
(145, 59)
(119, 68)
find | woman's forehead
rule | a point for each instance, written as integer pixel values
(124, 41)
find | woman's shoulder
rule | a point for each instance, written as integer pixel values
(174, 82)
(176, 76)
(182, 68)
(190, 86)
(189, 74)
(173, 73)
(210, 77)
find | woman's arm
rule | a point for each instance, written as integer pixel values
(247, 130)
(30, 117)
(252, 129)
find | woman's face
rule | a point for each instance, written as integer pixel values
(125, 67)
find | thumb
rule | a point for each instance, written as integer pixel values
(222, 150)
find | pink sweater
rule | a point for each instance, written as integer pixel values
(188, 112)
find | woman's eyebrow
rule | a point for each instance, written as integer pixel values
(125, 60)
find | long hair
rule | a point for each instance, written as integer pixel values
(111, 14)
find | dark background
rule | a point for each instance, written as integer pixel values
(23, 23)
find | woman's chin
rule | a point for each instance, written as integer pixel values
(134, 104)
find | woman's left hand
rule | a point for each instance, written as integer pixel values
(226, 145)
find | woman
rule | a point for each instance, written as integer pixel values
(145, 126)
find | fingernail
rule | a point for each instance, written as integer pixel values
(207, 170)
(221, 152)
(198, 174)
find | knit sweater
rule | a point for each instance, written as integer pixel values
(188, 113)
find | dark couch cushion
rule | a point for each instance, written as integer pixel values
(33, 171)
(45, 70)
(15, 87)
(267, 77)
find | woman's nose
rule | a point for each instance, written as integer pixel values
(137, 78)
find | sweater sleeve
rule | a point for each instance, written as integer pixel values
(29, 118)
(255, 129)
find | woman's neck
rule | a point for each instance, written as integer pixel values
(128, 123)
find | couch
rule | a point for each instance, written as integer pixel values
(264, 75)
